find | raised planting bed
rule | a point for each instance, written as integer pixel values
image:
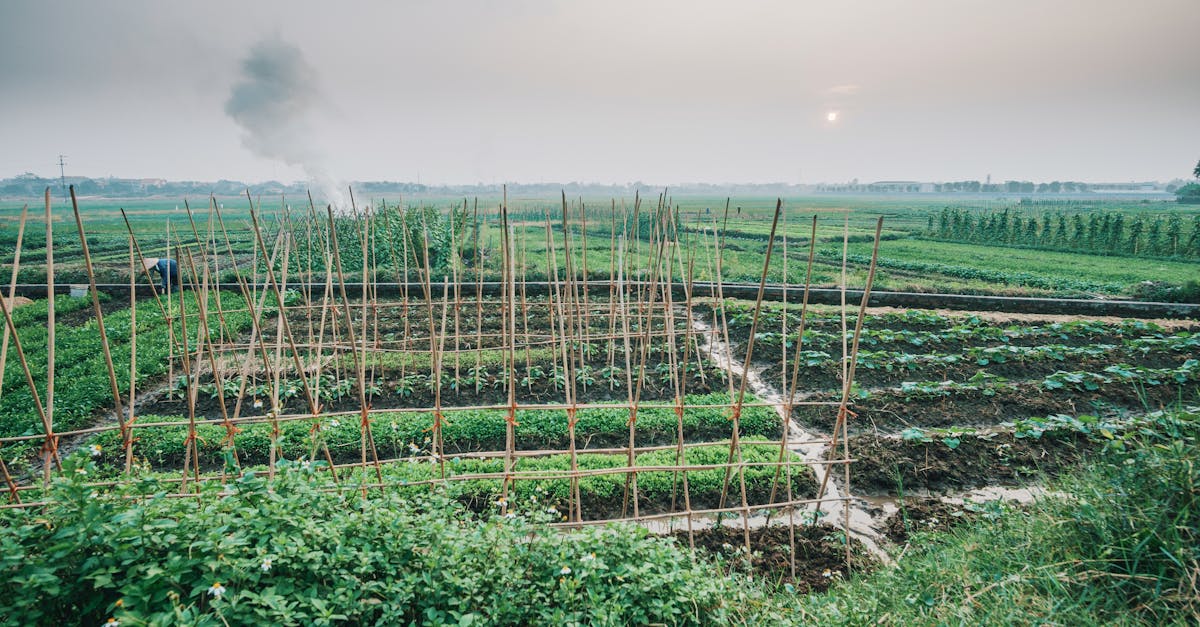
(409, 434)
(1117, 390)
(894, 466)
(83, 390)
(543, 483)
(820, 553)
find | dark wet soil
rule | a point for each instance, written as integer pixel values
(924, 515)
(891, 466)
(894, 411)
(81, 316)
(820, 553)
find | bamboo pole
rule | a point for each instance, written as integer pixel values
(12, 293)
(365, 422)
(126, 431)
(50, 438)
(51, 446)
(509, 312)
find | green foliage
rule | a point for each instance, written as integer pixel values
(392, 238)
(80, 371)
(1188, 194)
(284, 552)
(463, 431)
(1106, 233)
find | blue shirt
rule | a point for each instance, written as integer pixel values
(168, 270)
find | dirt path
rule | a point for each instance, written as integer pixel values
(810, 446)
(70, 444)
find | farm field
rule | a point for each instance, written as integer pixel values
(730, 425)
(909, 262)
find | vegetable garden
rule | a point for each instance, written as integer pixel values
(588, 401)
(553, 364)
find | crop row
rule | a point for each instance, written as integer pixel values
(533, 377)
(462, 431)
(658, 484)
(80, 367)
(891, 361)
(1023, 279)
(1080, 380)
(1077, 330)
(1095, 232)
(740, 315)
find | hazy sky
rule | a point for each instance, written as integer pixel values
(612, 91)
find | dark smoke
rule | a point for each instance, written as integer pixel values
(273, 102)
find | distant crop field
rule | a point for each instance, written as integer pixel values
(910, 260)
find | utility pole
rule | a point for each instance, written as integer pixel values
(62, 171)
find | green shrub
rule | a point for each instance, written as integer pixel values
(286, 553)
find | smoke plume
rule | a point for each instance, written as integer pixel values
(273, 102)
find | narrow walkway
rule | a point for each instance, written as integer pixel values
(811, 447)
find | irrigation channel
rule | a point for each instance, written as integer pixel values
(812, 447)
(597, 401)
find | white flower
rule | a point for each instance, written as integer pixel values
(566, 570)
(500, 502)
(266, 564)
(258, 404)
(305, 465)
(827, 573)
(552, 510)
(511, 515)
(95, 450)
(112, 622)
(589, 557)
(80, 471)
(216, 590)
(334, 423)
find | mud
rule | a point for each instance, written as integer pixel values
(890, 466)
(820, 553)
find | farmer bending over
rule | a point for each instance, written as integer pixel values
(168, 272)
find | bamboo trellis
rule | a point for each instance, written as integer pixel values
(310, 326)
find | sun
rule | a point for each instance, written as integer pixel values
(832, 116)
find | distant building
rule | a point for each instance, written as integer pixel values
(901, 187)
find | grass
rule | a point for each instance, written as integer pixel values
(1099, 269)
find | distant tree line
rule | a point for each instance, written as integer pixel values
(30, 185)
(1190, 194)
(1100, 232)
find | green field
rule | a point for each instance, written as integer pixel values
(909, 262)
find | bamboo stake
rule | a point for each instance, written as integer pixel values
(127, 432)
(12, 293)
(365, 423)
(478, 301)
(734, 448)
(843, 407)
(51, 443)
